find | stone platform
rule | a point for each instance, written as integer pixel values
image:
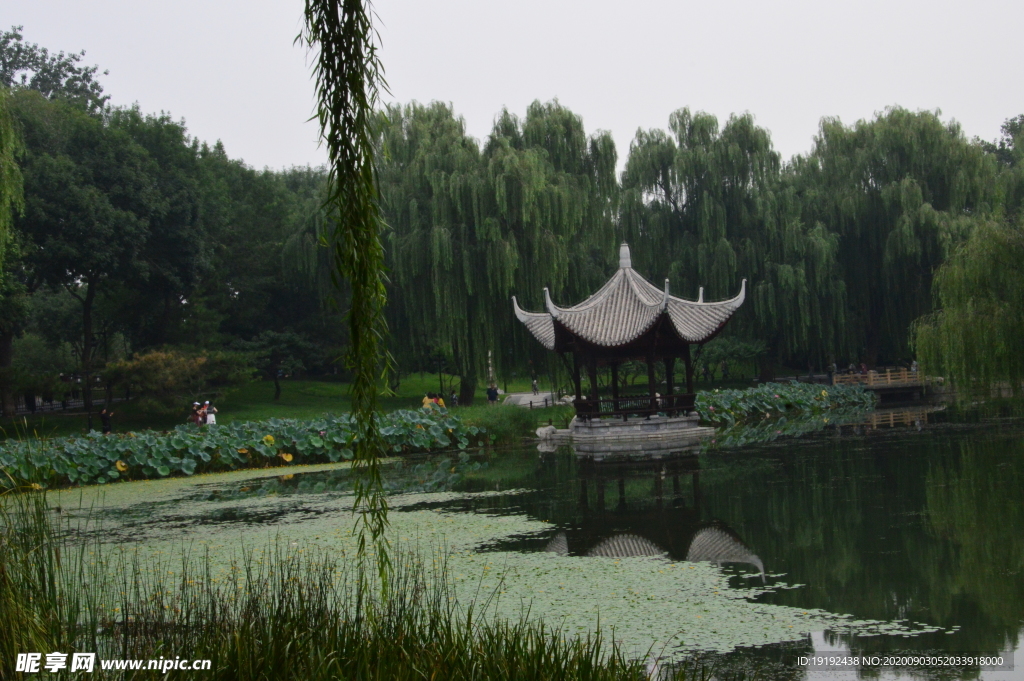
(601, 437)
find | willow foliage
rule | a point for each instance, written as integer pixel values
(899, 191)
(707, 208)
(10, 174)
(974, 337)
(348, 77)
(472, 227)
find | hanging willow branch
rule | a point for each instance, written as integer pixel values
(349, 78)
(11, 199)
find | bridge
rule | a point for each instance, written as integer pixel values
(890, 382)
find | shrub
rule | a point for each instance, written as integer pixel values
(166, 379)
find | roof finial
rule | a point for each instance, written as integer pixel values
(700, 295)
(624, 259)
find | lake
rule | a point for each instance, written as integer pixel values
(865, 539)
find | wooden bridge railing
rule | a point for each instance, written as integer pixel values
(895, 378)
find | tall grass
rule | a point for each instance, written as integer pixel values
(280, 615)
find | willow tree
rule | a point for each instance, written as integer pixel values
(974, 336)
(899, 191)
(469, 229)
(706, 208)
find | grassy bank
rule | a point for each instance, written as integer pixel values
(254, 402)
(282, 615)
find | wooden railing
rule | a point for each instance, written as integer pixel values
(895, 378)
(634, 405)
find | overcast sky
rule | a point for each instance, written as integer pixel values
(229, 68)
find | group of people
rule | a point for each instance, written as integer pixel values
(204, 414)
(431, 400)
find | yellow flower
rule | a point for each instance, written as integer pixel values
(268, 439)
(286, 456)
(824, 393)
(121, 466)
(287, 477)
(243, 451)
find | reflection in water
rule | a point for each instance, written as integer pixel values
(647, 524)
(913, 516)
(719, 545)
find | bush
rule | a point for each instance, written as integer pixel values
(188, 450)
(166, 379)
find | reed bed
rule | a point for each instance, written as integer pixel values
(280, 615)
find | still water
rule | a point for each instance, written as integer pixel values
(920, 523)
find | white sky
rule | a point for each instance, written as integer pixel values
(229, 68)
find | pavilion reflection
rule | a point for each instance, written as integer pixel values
(647, 506)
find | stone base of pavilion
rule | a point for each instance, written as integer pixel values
(646, 437)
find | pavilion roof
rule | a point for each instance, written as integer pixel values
(625, 308)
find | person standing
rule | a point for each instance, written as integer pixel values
(211, 413)
(428, 399)
(492, 395)
(105, 416)
(536, 390)
(194, 415)
(453, 400)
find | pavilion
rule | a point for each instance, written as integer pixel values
(629, 319)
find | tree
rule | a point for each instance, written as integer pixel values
(12, 306)
(88, 202)
(28, 66)
(279, 353)
(974, 336)
(471, 228)
(899, 191)
(706, 208)
(175, 253)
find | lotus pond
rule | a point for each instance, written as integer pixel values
(881, 535)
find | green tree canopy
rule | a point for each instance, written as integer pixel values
(470, 228)
(706, 208)
(974, 337)
(29, 66)
(898, 191)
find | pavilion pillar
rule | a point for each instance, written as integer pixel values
(592, 375)
(615, 381)
(689, 368)
(651, 383)
(670, 367)
(576, 375)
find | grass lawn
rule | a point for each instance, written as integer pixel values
(255, 402)
(301, 399)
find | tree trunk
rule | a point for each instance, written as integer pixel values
(87, 344)
(467, 388)
(7, 398)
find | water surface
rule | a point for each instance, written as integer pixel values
(918, 528)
